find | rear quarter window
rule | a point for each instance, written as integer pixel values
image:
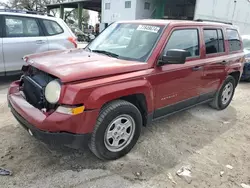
(234, 40)
(52, 27)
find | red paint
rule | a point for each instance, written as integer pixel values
(94, 80)
(55, 122)
(77, 64)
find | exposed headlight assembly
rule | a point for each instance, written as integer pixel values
(53, 91)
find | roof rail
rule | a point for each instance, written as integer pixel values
(25, 12)
(205, 20)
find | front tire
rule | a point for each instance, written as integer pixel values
(117, 130)
(225, 95)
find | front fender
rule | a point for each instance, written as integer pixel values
(102, 95)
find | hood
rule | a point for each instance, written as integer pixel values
(78, 64)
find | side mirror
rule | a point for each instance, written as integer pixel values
(175, 56)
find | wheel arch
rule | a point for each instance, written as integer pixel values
(139, 100)
(137, 92)
(236, 76)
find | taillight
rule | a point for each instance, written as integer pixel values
(73, 40)
(25, 58)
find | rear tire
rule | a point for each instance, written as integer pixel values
(225, 95)
(117, 130)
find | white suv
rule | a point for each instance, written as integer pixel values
(23, 33)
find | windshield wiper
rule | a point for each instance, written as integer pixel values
(88, 49)
(106, 53)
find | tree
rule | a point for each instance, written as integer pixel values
(32, 5)
(85, 16)
(73, 15)
(40, 6)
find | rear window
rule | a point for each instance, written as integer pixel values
(52, 27)
(234, 40)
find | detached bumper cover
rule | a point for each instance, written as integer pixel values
(62, 138)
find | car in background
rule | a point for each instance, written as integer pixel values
(81, 36)
(27, 32)
(246, 43)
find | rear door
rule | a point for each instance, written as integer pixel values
(2, 69)
(215, 59)
(235, 48)
(58, 34)
(22, 36)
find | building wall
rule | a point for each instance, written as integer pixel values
(178, 9)
(141, 12)
(226, 10)
(118, 11)
(223, 10)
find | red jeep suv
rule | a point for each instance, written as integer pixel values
(133, 73)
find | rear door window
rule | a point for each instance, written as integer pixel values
(234, 40)
(21, 27)
(184, 39)
(52, 27)
(214, 41)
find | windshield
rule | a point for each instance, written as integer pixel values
(127, 41)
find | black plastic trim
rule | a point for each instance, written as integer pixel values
(180, 106)
(175, 107)
(207, 96)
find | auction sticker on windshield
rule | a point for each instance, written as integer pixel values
(148, 28)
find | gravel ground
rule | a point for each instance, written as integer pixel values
(205, 139)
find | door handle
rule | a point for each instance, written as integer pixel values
(197, 68)
(224, 62)
(40, 41)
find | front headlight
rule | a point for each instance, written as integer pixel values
(53, 91)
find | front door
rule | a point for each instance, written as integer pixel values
(22, 36)
(178, 85)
